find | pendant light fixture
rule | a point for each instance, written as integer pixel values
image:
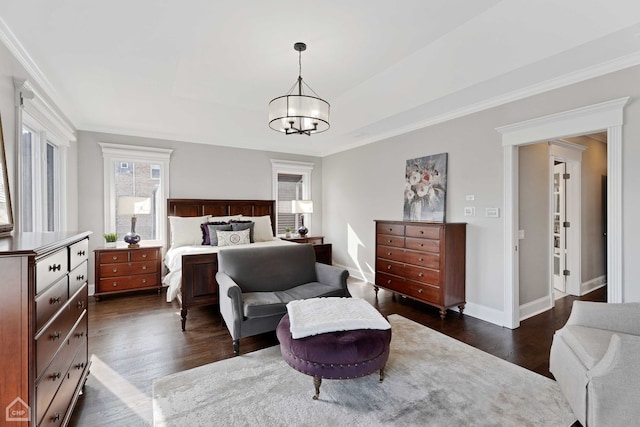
(297, 113)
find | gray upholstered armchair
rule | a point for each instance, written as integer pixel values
(256, 283)
(595, 358)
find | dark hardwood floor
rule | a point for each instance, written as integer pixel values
(136, 338)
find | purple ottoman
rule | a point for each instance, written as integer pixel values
(335, 355)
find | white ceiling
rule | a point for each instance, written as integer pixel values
(204, 71)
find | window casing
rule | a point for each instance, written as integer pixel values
(291, 181)
(142, 172)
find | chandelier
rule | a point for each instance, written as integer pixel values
(297, 113)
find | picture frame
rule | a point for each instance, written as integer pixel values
(425, 188)
(6, 212)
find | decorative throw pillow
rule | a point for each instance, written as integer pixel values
(233, 238)
(211, 235)
(262, 231)
(238, 225)
(186, 230)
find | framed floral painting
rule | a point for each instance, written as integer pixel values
(425, 188)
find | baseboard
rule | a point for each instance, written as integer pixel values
(358, 274)
(91, 289)
(593, 284)
(533, 308)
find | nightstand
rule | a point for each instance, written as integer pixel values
(314, 240)
(127, 269)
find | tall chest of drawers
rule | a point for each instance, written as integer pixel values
(44, 359)
(424, 261)
(127, 269)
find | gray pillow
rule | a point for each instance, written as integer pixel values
(213, 237)
(244, 225)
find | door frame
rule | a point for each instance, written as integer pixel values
(593, 118)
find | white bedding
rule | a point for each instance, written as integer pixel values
(173, 261)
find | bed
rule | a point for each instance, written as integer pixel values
(192, 267)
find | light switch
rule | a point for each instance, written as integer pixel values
(469, 211)
(470, 197)
(492, 212)
(520, 234)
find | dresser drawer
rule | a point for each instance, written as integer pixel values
(422, 291)
(55, 373)
(393, 229)
(390, 282)
(125, 269)
(422, 259)
(50, 301)
(423, 231)
(122, 283)
(51, 268)
(77, 278)
(389, 240)
(143, 254)
(423, 244)
(53, 337)
(389, 252)
(390, 267)
(113, 257)
(78, 252)
(420, 274)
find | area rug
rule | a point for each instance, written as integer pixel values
(431, 380)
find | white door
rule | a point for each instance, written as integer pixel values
(559, 252)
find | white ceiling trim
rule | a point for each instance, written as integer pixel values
(525, 92)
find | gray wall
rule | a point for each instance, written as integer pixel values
(533, 192)
(196, 171)
(366, 183)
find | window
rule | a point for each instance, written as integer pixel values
(291, 181)
(42, 153)
(136, 179)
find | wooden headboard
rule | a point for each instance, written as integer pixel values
(217, 207)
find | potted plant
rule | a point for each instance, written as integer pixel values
(287, 232)
(111, 239)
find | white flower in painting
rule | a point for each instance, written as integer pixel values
(414, 178)
(422, 188)
(409, 194)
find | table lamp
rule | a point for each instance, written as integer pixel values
(132, 205)
(302, 207)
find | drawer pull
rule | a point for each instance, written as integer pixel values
(81, 253)
(421, 244)
(80, 278)
(144, 280)
(115, 257)
(115, 284)
(144, 267)
(144, 255)
(421, 231)
(55, 336)
(55, 300)
(390, 240)
(80, 334)
(420, 274)
(81, 304)
(388, 281)
(56, 417)
(388, 267)
(115, 270)
(420, 259)
(389, 253)
(80, 365)
(419, 291)
(55, 267)
(55, 376)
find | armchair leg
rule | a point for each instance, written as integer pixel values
(236, 347)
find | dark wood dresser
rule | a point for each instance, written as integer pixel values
(44, 354)
(424, 261)
(127, 269)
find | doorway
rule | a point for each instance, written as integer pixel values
(603, 116)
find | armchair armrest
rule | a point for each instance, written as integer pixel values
(613, 384)
(613, 317)
(331, 275)
(230, 303)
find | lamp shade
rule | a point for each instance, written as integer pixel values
(132, 205)
(301, 206)
(302, 112)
